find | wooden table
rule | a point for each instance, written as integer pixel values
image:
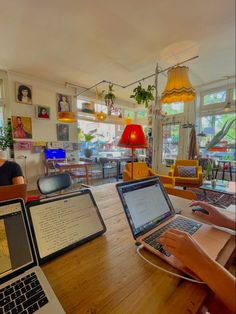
(107, 276)
(71, 166)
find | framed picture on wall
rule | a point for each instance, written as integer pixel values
(62, 132)
(23, 93)
(21, 127)
(64, 103)
(43, 112)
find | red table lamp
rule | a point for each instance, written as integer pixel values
(133, 137)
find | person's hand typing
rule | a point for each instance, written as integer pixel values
(184, 248)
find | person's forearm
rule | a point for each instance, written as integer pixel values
(221, 282)
(229, 223)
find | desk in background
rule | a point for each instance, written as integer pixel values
(107, 276)
(74, 169)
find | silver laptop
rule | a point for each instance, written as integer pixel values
(23, 286)
(150, 213)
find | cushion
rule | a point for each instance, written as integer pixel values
(187, 171)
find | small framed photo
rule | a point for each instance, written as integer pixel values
(43, 112)
(23, 93)
(62, 132)
(64, 103)
(21, 127)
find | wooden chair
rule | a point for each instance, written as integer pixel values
(190, 195)
(8, 192)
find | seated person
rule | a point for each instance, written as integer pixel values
(10, 173)
(187, 250)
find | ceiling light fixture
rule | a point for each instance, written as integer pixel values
(178, 86)
(101, 116)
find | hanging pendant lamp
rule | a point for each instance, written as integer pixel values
(101, 116)
(128, 120)
(67, 116)
(178, 87)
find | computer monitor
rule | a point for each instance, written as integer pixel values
(56, 153)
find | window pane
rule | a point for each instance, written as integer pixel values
(170, 141)
(174, 108)
(211, 125)
(234, 94)
(104, 141)
(214, 98)
(129, 113)
(142, 114)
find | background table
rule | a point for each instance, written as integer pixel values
(107, 276)
(72, 166)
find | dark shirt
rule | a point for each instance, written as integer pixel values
(8, 171)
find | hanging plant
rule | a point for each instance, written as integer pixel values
(5, 137)
(142, 95)
(110, 96)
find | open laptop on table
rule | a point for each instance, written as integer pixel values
(23, 286)
(57, 224)
(150, 212)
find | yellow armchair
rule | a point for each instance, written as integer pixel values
(141, 170)
(186, 181)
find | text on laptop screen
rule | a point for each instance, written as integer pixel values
(145, 205)
(62, 222)
(15, 251)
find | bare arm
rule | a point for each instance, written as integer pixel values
(187, 250)
(215, 217)
(18, 180)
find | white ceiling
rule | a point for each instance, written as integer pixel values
(87, 41)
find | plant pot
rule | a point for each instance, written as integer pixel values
(88, 152)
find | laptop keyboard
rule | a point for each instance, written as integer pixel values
(24, 296)
(179, 223)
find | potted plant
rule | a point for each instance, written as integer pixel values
(142, 95)
(5, 140)
(86, 137)
(109, 97)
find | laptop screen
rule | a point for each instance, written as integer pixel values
(15, 250)
(63, 222)
(146, 204)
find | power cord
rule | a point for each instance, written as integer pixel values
(166, 271)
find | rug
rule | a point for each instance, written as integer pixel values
(225, 201)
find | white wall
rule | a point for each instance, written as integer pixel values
(43, 93)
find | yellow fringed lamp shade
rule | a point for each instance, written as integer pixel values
(67, 116)
(178, 87)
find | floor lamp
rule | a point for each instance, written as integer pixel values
(133, 137)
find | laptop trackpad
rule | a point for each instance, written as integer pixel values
(211, 240)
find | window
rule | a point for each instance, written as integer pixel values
(234, 94)
(211, 125)
(129, 113)
(214, 98)
(142, 114)
(105, 138)
(170, 141)
(174, 108)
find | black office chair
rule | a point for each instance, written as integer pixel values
(54, 183)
